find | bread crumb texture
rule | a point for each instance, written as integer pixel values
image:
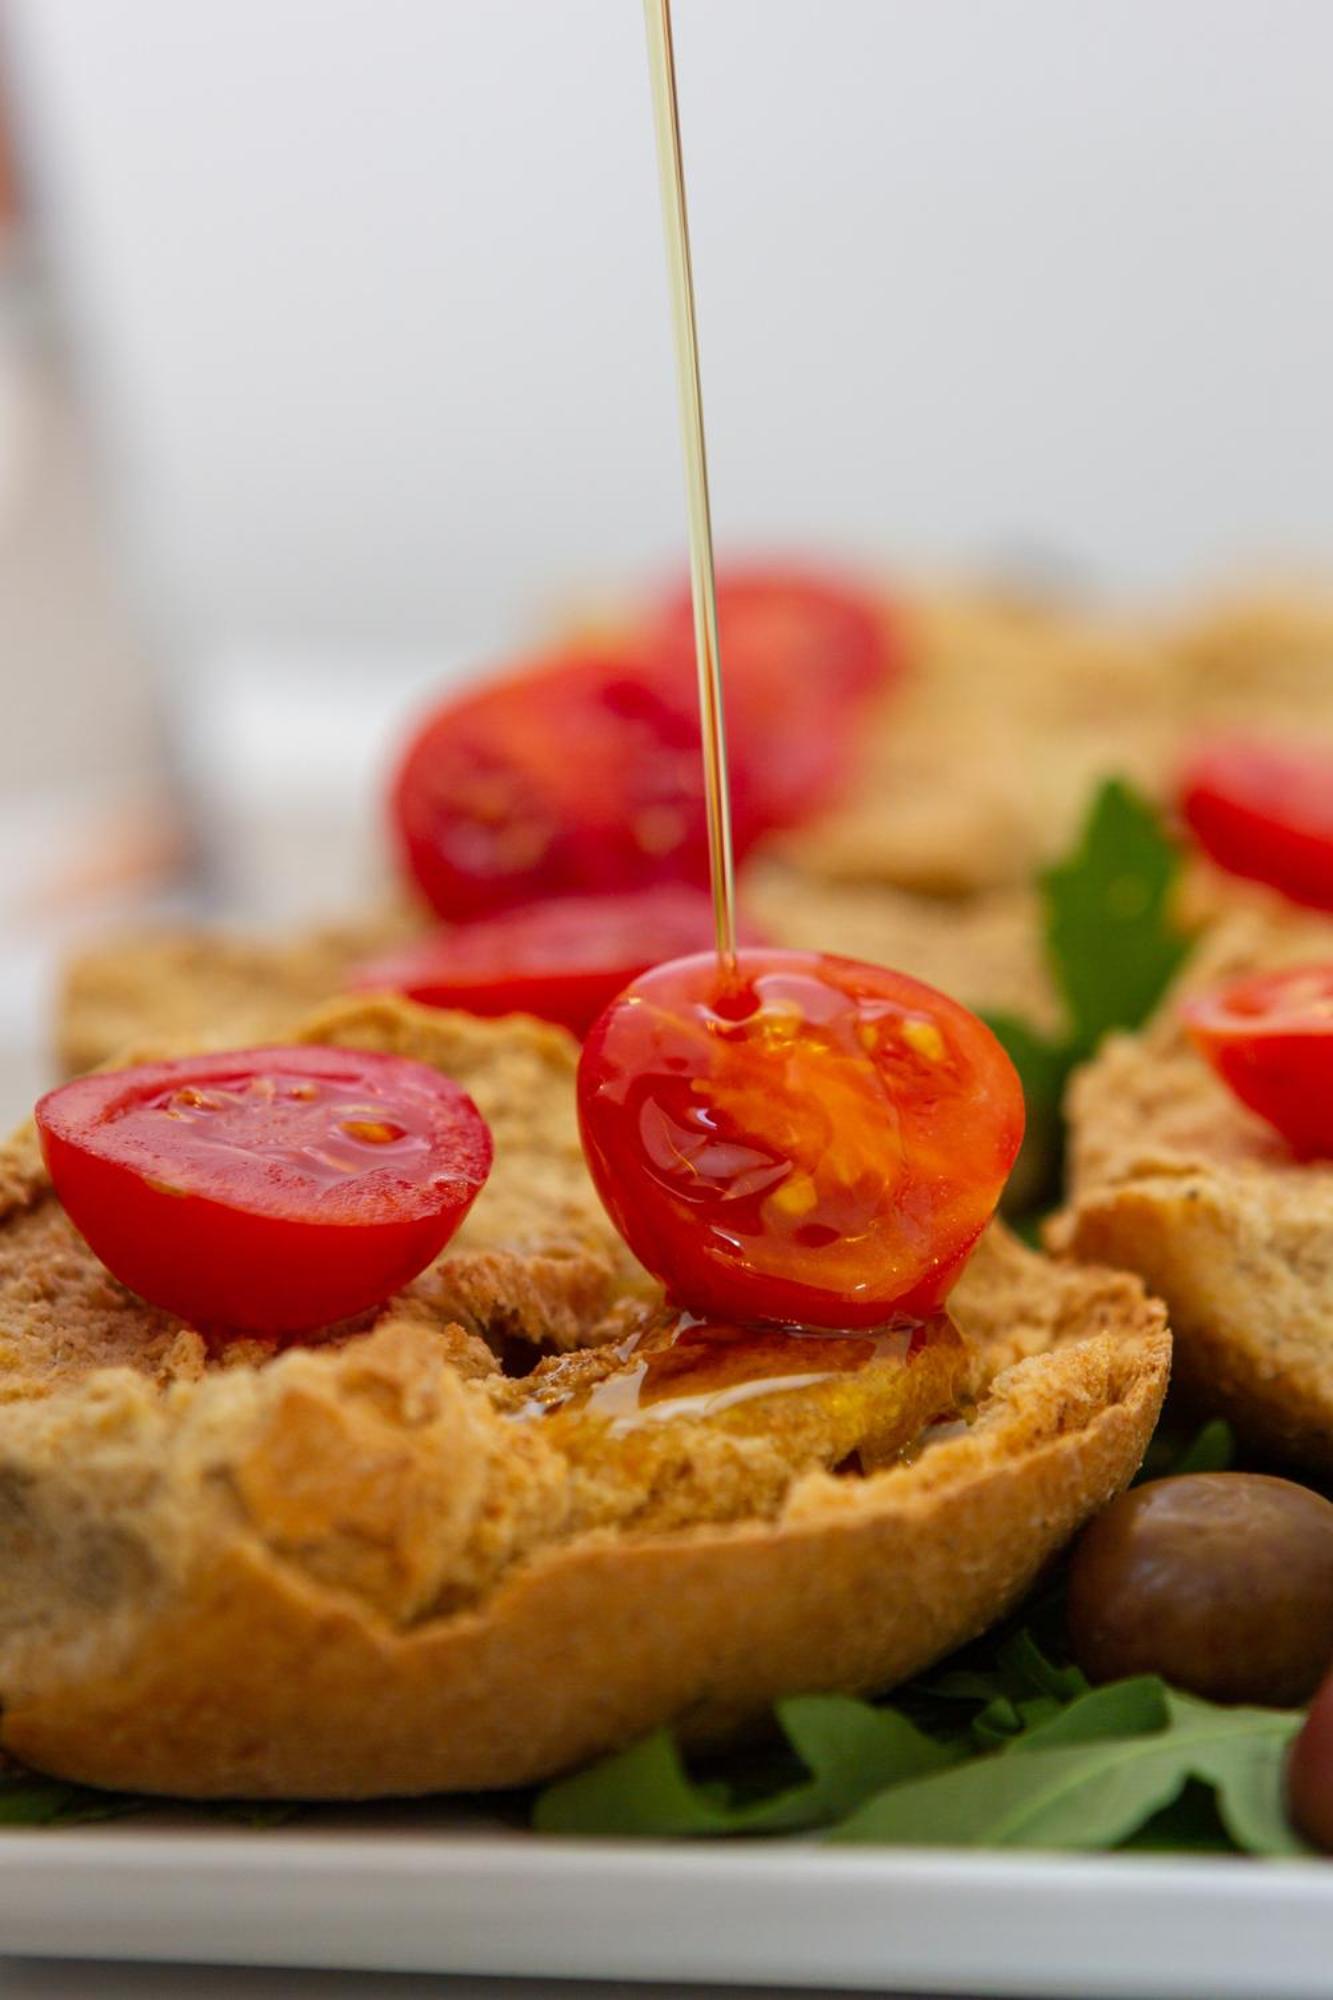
(435, 1552)
(1172, 1178)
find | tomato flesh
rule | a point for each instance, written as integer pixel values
(1310, 1772)
(801, 628)
(807, 1140)
(583, 772)
(270, 1190)
(1270, 1039)
(802, 651)
(1265, 811)
(580, 774)
(562, 961)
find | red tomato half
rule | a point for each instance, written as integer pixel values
(801, 652)
(812, 1141)
(799, 628)
(562, 960)
(580, 774)
(272, 1190)
(1270, 1039)
(1265, 810)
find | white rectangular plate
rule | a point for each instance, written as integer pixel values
(405, 1894)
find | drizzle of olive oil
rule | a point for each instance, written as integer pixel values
(680, 277)
(681, 1366)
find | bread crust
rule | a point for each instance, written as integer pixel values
(375, 1567)
(1172, 1178)
(238, 1674)
(351, 1572)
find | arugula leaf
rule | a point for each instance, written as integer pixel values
(26, 1799)
(847, 1749)
(1246, 1766)
(1021, 1659)
(1083, 1783)
(1122, 1708)
(1045, 1761)
(1191, 1824)
(34, 1802)
(1212, 1449)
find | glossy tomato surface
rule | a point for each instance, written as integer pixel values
(802, 651)
(272, 1190)
(1310, 1772)
(561, 960)
(801, 626)
(809, 1141)
(1270, 1039)
(580, 774)
(1265, 810)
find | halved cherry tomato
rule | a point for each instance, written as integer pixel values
(578, 774)
(273, 1190)
(809, 1140)
(1265, 810)
(802, 650)
(562, 960)
(1310, 1772)
(799, 628)
(1270, 1039)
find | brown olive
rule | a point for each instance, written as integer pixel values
(1310, 1772)
(1220, 1581)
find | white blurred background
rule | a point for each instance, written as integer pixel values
(341, 325)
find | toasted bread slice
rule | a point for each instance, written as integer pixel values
(192, 986)
(978, 767)
(1260, 660)
(387, 1565)
(975, 768)
(202, 988)
(1172, 1178)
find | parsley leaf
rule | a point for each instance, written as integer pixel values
(1112, 946)
(1043, 1064)
(1113, 949)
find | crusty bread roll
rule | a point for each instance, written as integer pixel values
(399, 1562)
(1173, 1178)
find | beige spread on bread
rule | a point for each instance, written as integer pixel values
(407, 1559)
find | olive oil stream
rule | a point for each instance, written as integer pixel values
(689, 1366)
(680, 278)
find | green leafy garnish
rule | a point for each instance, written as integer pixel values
(1212, 1449)
(1097, 1776)
(1113, 948)
(1112, 944)
(29, 1800)
(845, 1750)
(1131, 1762)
